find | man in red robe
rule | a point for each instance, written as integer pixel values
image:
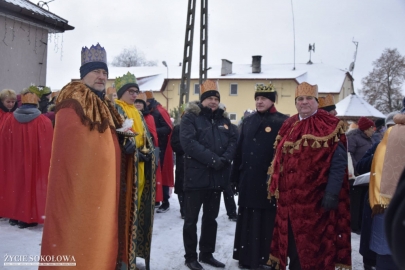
(308, 177)
(25, 143)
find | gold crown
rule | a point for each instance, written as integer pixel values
(149, 94)
(326, 101)
(306, 89)
(127, 78)
(261, 88)
(141, 96)
(29, 98)
(208, 85)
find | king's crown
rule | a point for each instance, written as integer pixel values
(94, 54)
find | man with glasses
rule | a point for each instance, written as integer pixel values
(308, 177)
(128, 90)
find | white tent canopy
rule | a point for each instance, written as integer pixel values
(353, 107)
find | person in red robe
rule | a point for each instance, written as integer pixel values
(308, 177)
(140, 104)
(25, 143)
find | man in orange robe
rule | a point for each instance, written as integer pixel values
(90, 211)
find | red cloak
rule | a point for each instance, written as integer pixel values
(24, 164)
(299, 174)
(167, 166)
(150, 122)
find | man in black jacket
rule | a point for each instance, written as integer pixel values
(209, 144)
(254, 153)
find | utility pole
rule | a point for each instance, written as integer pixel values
(188, 48)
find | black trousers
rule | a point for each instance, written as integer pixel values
(357, 195)
(292, 252)
(193, 200)
(229, 201)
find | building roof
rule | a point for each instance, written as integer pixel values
(29, 12)
(353, 107)
(329, 79)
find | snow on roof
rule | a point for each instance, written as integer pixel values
(353, 107)
(36, 9)
(329, 79)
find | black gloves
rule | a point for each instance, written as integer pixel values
(330, 201)
(143, 157)
(222, 162)
(128, 144)
(235, 188)
(218, 165)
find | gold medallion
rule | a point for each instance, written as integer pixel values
(267, 129)
(225, 126)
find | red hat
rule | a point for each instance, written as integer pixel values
(365, 123)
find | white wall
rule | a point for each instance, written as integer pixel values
(21, 52)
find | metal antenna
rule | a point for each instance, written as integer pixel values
(352, 64)
(292, 10)
(42, 4)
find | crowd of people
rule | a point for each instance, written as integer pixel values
(95, 166)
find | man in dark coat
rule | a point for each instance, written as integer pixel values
(209, 144)
(179, 176)
(164, 130)
(254, 153)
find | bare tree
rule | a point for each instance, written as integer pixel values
(132, 57)
(382, 86)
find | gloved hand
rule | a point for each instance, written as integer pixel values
(143, 157)
(218, 165)
(128, 146)
(235, 188)
(330, 201)
(225, 161)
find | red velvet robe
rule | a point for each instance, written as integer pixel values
(167, 166)
(150, 122)
(24, 165)
(299, 174)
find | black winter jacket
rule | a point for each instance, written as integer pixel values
(162, 128)
(176, 146)
(206, 137)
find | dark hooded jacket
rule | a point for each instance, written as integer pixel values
(206, 138)
(253, 156)
(162, 128)
(358, 143)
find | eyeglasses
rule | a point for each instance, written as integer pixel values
(133, 92)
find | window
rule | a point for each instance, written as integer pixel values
(232, 116)
(196, 89)
(234, 89)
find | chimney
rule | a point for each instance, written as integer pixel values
(256, 64)
(226, 67)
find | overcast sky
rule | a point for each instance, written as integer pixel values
(238, 29)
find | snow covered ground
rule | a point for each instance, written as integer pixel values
(167, 241)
